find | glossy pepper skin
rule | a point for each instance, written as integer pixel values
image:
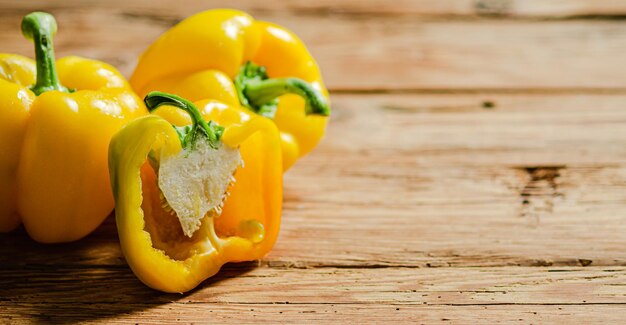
(228, 56)
(57, 120)
(156, 249)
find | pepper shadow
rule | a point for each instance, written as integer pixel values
(81, 281)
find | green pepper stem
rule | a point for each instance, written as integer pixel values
(40, 27)
(259, 92)
(199, 127)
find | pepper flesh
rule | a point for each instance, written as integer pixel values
(152, 240)
(53, 170)
(199, 58)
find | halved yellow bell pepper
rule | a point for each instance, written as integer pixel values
(55, 129)
(228, 56)
(158, 250)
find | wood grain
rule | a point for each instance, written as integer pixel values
(397, 286)
(445, 226)
(578, 9)
(453, 187)
(322, 294)
(373, 52)
(306, 313)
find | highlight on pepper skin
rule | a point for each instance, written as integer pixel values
(221, 201)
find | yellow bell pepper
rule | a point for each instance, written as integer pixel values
(54, 134)
(228, 56)
(157, 246)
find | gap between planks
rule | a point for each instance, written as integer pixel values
(546, 91)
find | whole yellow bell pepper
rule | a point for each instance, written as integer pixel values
(161, 253)
(228, 56)
(55, 126)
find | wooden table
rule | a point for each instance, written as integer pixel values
(474, 171)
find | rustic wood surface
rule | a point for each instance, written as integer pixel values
(474, 171)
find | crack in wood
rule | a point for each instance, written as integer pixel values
(493, 8)
(539, 192)
(407, 304)
(154, 18)
(531, 304)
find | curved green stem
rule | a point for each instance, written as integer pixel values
(40, 27)
(262, 92)
(259, 92)
(190, 134)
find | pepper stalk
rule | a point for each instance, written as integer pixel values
(190, 134)
(40, 27)
(258, 92)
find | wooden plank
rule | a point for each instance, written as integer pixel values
(478, 130)
(386, 52)
(326, 314)
(457, 184)
(424, 8)
(533, 181)
(383, 286)
(317, 294)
